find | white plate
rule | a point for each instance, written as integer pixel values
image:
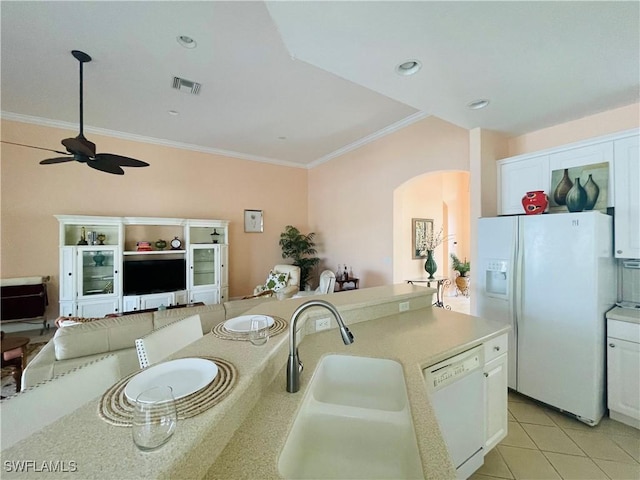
(185, 376)
(242, 323)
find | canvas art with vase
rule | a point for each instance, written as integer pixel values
(580, 188)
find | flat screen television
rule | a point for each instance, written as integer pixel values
(154, 276)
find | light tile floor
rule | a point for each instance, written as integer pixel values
(545, 444)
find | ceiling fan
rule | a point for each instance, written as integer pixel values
(82, 150)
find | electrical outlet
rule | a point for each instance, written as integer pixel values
(323, 324)
(404, 306)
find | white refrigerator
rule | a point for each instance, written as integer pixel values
(551, 277)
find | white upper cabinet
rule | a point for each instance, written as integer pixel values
(517, 177)
(627, 198)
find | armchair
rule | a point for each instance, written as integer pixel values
(292, 283)
(327, 285)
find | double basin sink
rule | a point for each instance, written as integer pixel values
(354, 422)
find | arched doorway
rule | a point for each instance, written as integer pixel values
(444, 197)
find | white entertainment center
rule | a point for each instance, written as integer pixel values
(113, 265)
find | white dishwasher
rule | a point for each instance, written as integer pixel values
(456, 391)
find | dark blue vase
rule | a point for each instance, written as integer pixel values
(430, 264)
(592, 190)
(576, 197)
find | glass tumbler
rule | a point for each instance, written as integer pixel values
(154, 418)
(259, 332)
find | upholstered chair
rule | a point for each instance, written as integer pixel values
(36, 407)
(164, 341)
(327, 285)
(286, 290)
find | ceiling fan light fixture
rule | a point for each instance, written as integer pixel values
(186, 41)
(408, 67)
(478, 104)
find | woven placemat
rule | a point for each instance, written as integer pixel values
(116, 409)
(279, 325)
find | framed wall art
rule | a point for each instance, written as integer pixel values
(420, 229)
(253, 221)
(579, 188)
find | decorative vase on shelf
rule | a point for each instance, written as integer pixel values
(563, 187)
(535, 202)
(430, 264)
(576, 197)
(592, 190)
(161, 244)
(98, 259)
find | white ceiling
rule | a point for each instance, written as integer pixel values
(297, 83)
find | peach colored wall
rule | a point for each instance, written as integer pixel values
(179, 183)
(443, 197)
(604, 123)
(351, 197)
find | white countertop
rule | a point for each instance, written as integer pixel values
(242, 436)
(624, 314)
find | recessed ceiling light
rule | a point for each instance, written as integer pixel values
(282, 138)
(478, 104)
(173, 112)
(186, 42)
(408, 67)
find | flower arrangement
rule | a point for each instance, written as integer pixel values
(431, 241)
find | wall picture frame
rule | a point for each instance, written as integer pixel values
(253, 221)
(420, 228)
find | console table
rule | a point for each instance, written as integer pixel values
(340, 284)
(441, 283)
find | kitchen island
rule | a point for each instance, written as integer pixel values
(242, 436)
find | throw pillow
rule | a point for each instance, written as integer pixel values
(276, 281)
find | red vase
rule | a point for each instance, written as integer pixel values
(535, 202)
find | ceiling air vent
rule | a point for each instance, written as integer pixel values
(186, 85)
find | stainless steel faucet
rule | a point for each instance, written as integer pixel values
(294, 365)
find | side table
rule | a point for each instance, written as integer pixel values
(441, 283)
(340, 284)
(18, 363)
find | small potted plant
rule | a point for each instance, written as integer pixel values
(463, 268)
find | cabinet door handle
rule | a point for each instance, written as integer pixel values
(486, 374)
(70, 274)
(618, 251)
(612, 345)
(497, 349)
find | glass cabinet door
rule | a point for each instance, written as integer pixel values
(203, 265)
(97, 272)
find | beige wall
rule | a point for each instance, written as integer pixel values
(611, 121)
(351, 198)
(179, 183)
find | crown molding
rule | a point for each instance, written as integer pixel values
(215, 151)
(16, 117)
(394, 127)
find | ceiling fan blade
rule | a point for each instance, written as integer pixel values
(80, 145)
(39, 148)
(105, 166)
(51, 161)
(122, 161)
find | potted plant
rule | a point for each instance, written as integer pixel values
(299, 247)
(463, 268)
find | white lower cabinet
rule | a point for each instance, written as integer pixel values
(205, 295)
(155, 300)
(98, 308)
(623, 372)
(496, 391)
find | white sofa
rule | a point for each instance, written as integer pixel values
(73, 346)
